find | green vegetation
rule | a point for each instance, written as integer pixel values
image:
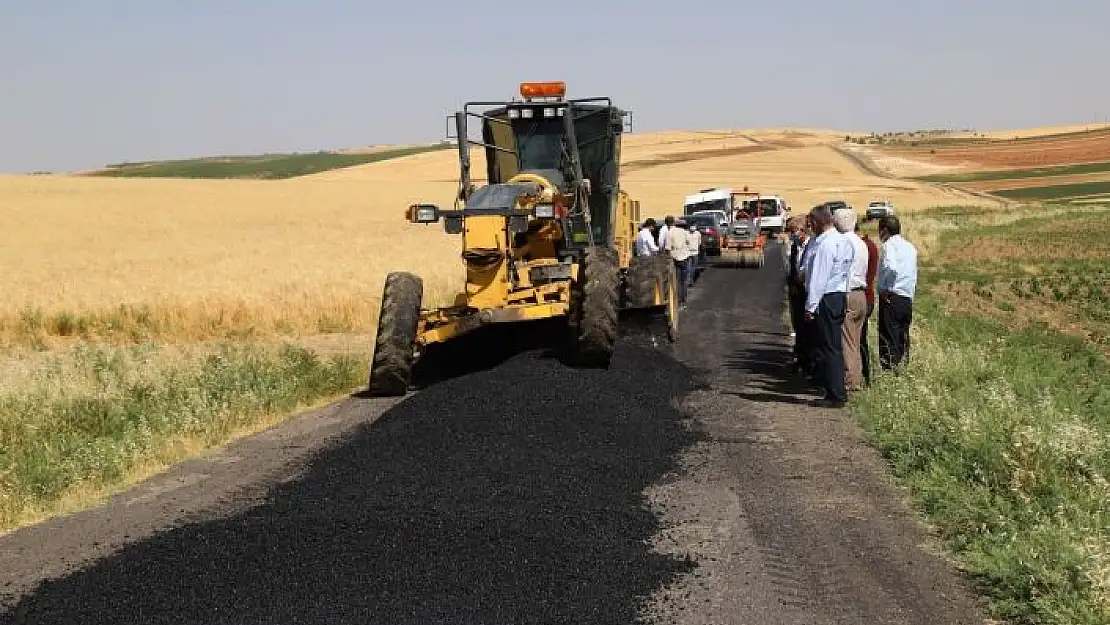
(263, 167)
(1000, 425)
(78, 423)
(1019, 174)
(1056, 192)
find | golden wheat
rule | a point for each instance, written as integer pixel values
(189, 260)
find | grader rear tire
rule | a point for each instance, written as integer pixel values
(671, 294)
(645, 274)
(597, 293)
(391, 366)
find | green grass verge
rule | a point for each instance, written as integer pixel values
(1003, 437)
(89, 418)
(263, 167)
(1055, 192)
(1019, 174)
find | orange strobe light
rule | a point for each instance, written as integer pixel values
(553, 89)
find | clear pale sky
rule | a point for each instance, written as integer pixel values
(84, 85)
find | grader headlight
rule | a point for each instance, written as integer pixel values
(423, 213)
(545, 211)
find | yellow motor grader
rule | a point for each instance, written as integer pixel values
(550, 235)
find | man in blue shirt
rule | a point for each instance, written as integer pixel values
(896, 283)
(828, 267)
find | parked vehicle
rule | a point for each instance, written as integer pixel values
(723, 219)
(711, 232)
(879, 209)
(711, 199)
(773, 212)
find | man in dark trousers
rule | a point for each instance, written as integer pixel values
(828, 266)
(897, 282)
(796, 228)
(869, 292)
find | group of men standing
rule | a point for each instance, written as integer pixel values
(834, 274)
(678, 239)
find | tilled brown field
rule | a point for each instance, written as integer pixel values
(1068, 149)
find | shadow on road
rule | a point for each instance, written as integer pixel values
(511, 495)
(770, 380)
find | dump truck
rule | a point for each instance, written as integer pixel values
(549, 235)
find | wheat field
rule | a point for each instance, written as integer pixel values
(194, 258)
(191, 260)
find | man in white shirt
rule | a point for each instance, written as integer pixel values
(896, 284)
(645, 241)
(679, 250)
(664, 230)
(845, 221)
(693, 241)
(827, 272)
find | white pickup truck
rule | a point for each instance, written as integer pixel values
(773, 212)
(879, 209)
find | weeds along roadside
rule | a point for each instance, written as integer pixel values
(1000, 426)
(93, 401)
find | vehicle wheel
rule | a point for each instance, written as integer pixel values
(597, 291)
(391, 366)
(646, 274)
(671, 291)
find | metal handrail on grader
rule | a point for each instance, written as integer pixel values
(550, 235)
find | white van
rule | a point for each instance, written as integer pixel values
(773, 212)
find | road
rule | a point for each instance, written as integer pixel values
(690, 485)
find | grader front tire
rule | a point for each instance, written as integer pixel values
(391, 366)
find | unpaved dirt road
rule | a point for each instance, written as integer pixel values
(688, 486)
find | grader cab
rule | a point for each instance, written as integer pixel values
(551, 234)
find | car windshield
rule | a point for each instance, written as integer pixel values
(702, 220)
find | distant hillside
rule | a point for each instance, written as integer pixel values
(259, 167)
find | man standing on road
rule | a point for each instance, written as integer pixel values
(897, 283)
(645, 241)
(796, 292)
(869, 292)
(679, 249)
(845, 221)
(665, 230)
(828, 267)
(693, 241)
